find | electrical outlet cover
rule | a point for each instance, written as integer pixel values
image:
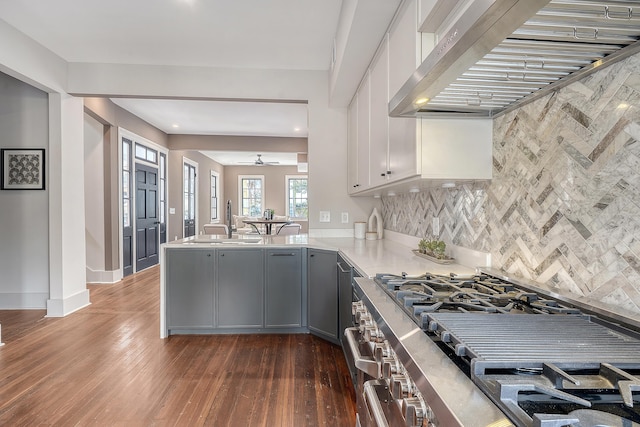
(325, 216)
(345, 217)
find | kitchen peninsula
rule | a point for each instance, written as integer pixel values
(262, 284)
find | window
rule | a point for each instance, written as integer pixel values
(163, 186)
(214, 196)
(189, 208)
(251, 195)
(190, 197)
(297, 204)
(145, 153)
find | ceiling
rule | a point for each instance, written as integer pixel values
(255, 34)
(274, 34)
(200, 117)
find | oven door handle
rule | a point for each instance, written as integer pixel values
(366, 365)
(373, 403)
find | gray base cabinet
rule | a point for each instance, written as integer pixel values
(322, 274)
(283, 288)
(240, 278)
(190, 300)
(251, 290)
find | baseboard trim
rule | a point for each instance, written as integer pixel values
(64, 307)
(23, 301)
(103, 276)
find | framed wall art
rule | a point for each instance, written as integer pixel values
(22, 168)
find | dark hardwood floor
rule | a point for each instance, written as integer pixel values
(106, 365)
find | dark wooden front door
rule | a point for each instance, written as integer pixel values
(147, 219)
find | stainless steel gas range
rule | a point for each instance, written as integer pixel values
(482, 350)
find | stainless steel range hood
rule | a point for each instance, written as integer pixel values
(502, 54)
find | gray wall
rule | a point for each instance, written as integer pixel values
(94, 194)
(104, 112)
(24, 219)
(175, 195)
(563, 208)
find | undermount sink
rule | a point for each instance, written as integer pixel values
(237, 241)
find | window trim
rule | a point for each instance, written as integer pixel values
(260, 177)
(286, 197)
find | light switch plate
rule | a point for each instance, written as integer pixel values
(172, 211)
(345, 217)
(325, 216)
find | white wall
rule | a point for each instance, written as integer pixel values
(94, 195)
(327, 126)
(24, 227)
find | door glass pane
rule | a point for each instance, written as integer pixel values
(141, 151)
(125, 213)
(125, 184)
(125, 155)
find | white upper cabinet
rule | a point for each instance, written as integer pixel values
(456, 149)
(379, 143)
(401, 154)
(352, 146)
(358, 139)
(405, 51)
(404, 57)
(364, 109)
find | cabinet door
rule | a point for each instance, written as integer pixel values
(404, 57)
(404, 147)
(283, 288)
(379, 129)
(240, 288)
(352, 146)
(189, 287)
(404, 46)
(363, 134)
(322, 277)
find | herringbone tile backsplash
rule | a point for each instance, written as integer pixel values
(563, 208)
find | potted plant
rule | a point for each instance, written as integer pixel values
(434, 250)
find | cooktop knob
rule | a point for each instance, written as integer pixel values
(415, 412)
(401, 386)
(373, 334)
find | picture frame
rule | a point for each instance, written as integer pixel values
(22, 169)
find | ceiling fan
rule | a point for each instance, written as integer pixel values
(260, 162)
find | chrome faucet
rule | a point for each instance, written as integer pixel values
(229, 219)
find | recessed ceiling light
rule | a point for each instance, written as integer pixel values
(296, 129)
(175, 126)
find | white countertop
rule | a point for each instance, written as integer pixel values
(368, 256)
